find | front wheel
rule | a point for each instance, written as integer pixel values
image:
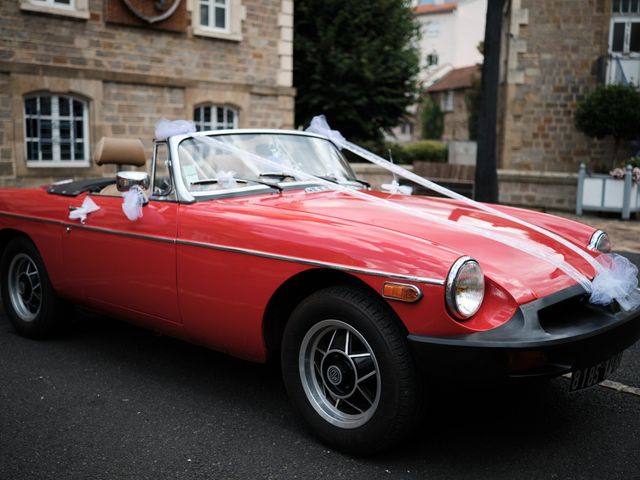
(27, 295)
(348, 371)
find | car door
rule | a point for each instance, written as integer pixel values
(123, 266)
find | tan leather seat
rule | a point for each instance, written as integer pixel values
(118, 151)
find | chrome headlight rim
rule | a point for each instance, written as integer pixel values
(596, 239)
(450, 288)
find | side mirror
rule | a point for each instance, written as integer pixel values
(126, 180)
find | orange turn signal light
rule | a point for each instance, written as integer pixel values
(401, 291)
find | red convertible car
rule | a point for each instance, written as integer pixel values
(360, 303)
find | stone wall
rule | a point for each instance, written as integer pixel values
(131, 76)
(6, 129)
(550, 51)
(538, 190)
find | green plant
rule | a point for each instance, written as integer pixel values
(383, 149)
(426, 151)
(432, 119)
(614, 111)
(633, 161)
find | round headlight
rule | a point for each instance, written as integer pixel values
(600, 241)
(465, 288)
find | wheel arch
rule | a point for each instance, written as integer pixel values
(8, 234)
(289, 295)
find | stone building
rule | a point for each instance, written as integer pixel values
(554, 54)
(72, 71)
(449, 93)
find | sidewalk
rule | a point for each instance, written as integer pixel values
(625, 235)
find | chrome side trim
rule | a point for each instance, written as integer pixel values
(244, 251)
(313, 263)
(33, 219)
(120, 233)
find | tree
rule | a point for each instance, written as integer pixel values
(612, 110)
(432, 119)
(356, 62)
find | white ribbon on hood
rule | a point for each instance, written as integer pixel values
(619, 283)
(629, 300)
(546, 255)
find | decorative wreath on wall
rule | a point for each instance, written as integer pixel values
(167, 7)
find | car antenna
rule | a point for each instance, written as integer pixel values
(395, 177)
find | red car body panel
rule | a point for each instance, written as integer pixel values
(206, 271)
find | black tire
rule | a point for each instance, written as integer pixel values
(27, 295)
(332, 386)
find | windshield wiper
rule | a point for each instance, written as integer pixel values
(334, 179)
(357, 180)
(280, 175)
(205, 181)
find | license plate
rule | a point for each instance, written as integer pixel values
(592, 375)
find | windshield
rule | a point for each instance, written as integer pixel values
(208, 167)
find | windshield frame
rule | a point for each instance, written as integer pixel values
(186, 196)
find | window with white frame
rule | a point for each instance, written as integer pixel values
(625, 36)
(55, 3)
(68, 8)
(214, 14)
(212, 117)
(625, 6)
(432, 59)
(446, 102)
(56, 131)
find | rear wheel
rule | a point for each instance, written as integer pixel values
(348, 371)
(27, 295)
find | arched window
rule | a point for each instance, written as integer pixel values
(56, 131)
(212, 117)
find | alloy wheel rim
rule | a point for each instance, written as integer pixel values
(25, 287)
(339, 373)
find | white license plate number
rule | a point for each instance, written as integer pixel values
(592, 375)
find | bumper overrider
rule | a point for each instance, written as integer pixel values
(545, 338)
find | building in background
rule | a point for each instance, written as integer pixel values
(554, 54)
(449, 92)
(450, 35)
(72, 71)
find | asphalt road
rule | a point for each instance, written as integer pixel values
(110, 400)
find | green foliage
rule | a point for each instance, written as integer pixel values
(432, 119)
(472, 101)
(633, 161)
(424, 150)
(612, 110)
(356, 62)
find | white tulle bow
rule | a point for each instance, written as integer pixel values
(81, 213)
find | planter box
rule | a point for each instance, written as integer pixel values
(602, 193)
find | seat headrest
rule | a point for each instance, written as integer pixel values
(120, 151)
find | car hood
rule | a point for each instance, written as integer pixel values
(523, 275)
